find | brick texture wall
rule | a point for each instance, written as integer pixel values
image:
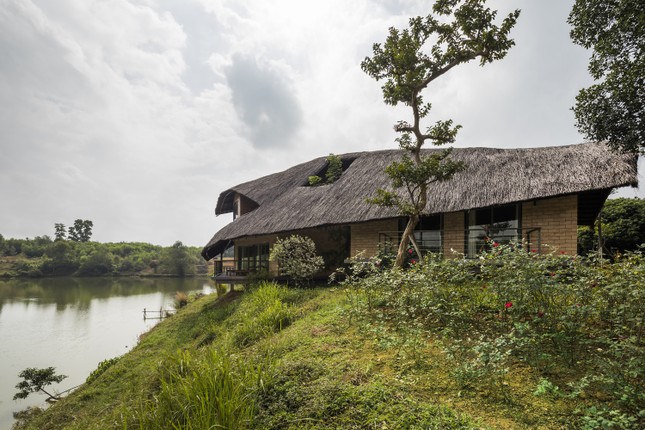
(558, 219)
(365, 236)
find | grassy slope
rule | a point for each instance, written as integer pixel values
(325, 372)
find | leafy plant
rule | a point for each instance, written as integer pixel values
(101, 368)
(35, 380)
(314, 180)
(296, 257)
(334, 168)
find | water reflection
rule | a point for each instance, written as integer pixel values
(78, 293)
(73, 324)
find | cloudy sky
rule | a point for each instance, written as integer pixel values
(135, 114)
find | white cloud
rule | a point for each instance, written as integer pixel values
(136, 114)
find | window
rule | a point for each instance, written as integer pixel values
(253, 258)
(427, 233)
(494, 224)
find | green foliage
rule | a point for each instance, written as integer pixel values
(97, 263)
(35, 380)
(460, 31)
(29, 269)
(59, 231)
(296, 256)
(43, 257)
(411, 176)
(81, 231)
(551, 312)
(36, 247)
(623, 227)
(216, 391)
(334, 168)
(314, 180)
(612, 109)
(263, 313)
(101, 368)
(333, 171)
(62, 259)
(178, 260)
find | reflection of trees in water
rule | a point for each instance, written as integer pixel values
(79, 292)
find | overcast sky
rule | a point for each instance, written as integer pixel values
(137, 114)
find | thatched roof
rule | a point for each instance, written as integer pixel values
(492, 177)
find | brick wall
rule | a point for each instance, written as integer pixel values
(558, 219)
(365, 236)
(453, 236)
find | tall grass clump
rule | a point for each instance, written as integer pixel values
(262, 313)
(214, 391)
(577, 322)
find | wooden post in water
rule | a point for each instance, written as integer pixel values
(144, 314)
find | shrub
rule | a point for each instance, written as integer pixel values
(101, 368)
(181, 300)
(296, 256)
(580, 316)
(98, 263)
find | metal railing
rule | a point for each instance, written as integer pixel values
(469, 241)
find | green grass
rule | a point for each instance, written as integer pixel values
(279, 358)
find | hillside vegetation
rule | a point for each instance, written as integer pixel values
(510, 341)
(43, 256)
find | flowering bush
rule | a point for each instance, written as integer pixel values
(549, 311)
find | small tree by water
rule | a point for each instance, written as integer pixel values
(35, 380)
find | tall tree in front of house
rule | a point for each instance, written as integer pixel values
(81, 231)
(456, 32)
(613, 108)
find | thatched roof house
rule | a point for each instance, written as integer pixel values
(579, 177)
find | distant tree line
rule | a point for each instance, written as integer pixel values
(42, 256)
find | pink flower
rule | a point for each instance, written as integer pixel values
(410, 251)
(495, 244)
(508, 304)
(413, 261)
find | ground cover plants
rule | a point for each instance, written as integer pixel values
(575, 325)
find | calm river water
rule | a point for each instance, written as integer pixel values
(73, 324)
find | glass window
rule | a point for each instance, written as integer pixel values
(428, 233)
(253, 258)
(486, 226)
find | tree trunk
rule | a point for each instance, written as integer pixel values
(405, 240)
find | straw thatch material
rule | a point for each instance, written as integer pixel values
(492, 177)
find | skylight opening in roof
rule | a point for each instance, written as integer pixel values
(332, 171)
